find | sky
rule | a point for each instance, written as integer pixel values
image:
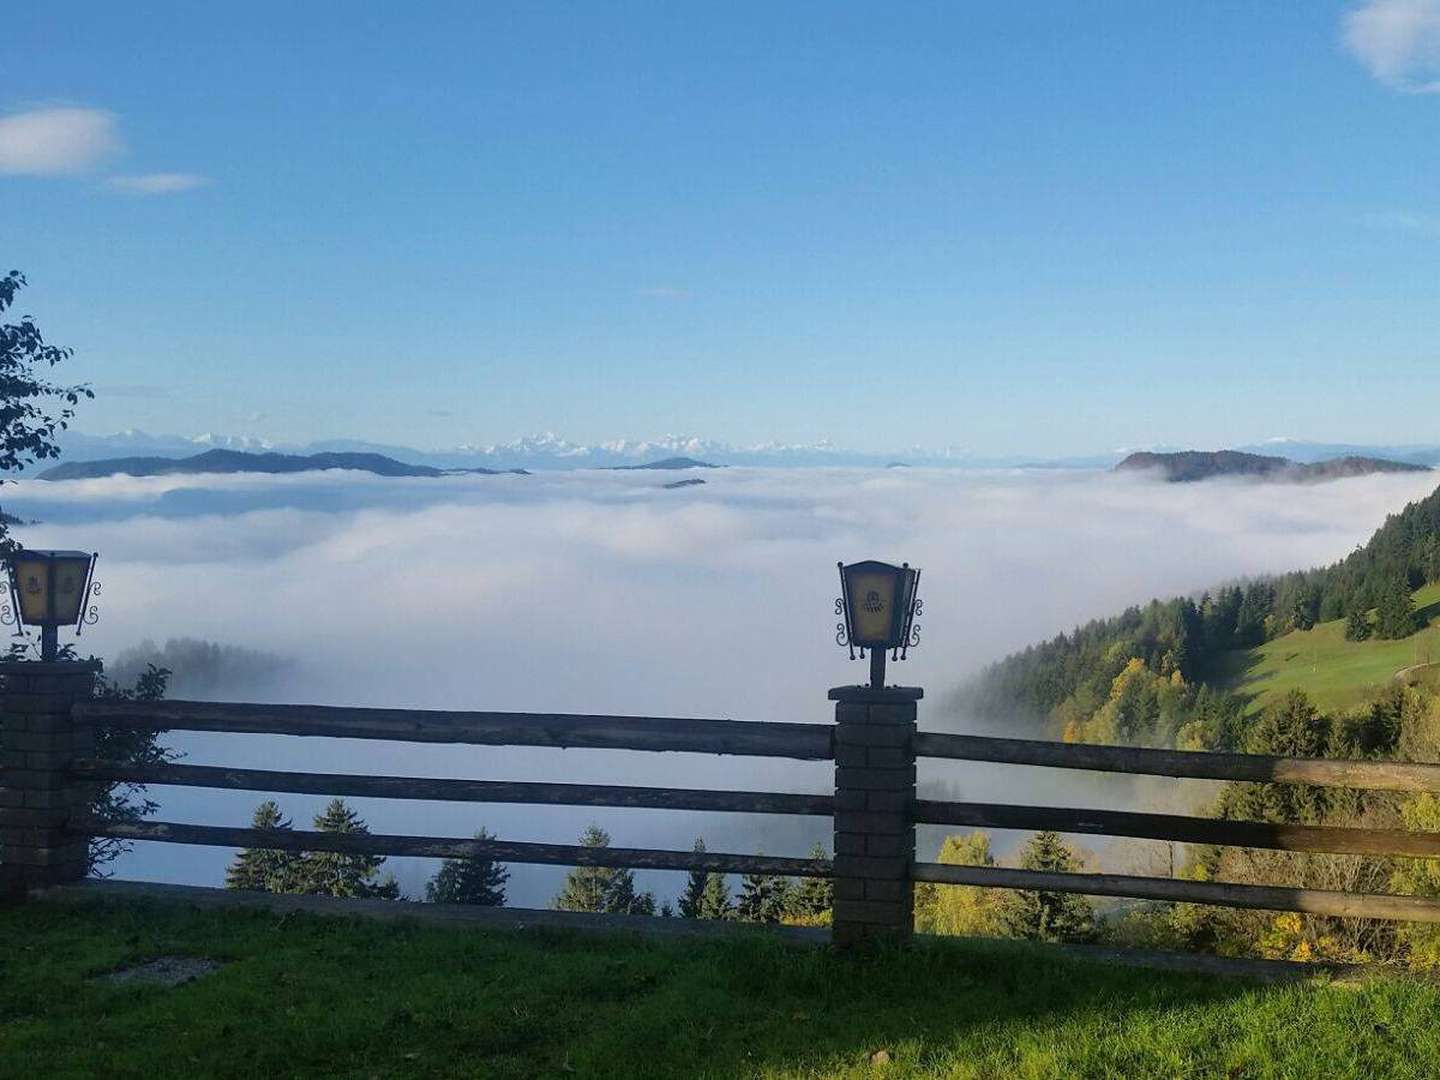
(603, 592)
(1046, 228)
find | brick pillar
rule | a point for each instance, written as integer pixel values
(39, 738)
(874, 791)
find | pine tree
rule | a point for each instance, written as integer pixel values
(764, 898)
(715, 902)
(1357, 625)
(265, 869)
(333, 873)
(471, 879)
(693, 897)
(602, 888)
(1049, 916)
(1395, 614)
(813, 895)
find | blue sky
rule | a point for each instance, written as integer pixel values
(1051, 229)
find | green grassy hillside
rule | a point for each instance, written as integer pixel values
(301, 996)
(1337, 674)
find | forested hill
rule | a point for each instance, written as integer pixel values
(1171, 648)
(1191, 465)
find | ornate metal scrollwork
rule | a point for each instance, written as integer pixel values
(842, 632)
(89, 613)
(7, 616)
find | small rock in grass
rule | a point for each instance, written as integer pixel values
(164, 971)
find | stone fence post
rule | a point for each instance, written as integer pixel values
(874, 833)
(39, 739)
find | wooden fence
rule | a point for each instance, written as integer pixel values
(49, 771)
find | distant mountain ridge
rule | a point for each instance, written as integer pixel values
(549, 451)
(1189, 466)
(239, 461)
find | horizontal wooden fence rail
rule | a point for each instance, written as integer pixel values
(1193, 764)
(454, 848)
(1185, 830)
(1265, 897)
(806, 742)
(444, 790)
(48, 748)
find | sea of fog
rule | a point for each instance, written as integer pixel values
(604, 592)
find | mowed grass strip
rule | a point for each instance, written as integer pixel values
(314, 996)
(1337, 674)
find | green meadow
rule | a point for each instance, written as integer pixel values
(1337, 674)
(310, 996)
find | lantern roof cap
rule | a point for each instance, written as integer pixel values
(52, 552)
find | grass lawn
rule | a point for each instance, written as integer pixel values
(315, 996)
(1337, 674)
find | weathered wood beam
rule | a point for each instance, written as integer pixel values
(1186, 830)
(451, 848)
(1222, 894)
(809, 742)
(1260, 768)
(444, 790)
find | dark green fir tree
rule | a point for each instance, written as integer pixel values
(1357, 625)
(813, 895)
(602, 888)
(715, 902)
(693, 898)
(1048, 916)
(265, 869)
(334, 873)
(470, 879)
(764, 898)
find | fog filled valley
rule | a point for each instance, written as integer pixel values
(603, 592)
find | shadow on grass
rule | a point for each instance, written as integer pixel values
(1234, 672)
(306, 995)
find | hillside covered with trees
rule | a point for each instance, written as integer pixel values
(1328, 662)
(1159, 672)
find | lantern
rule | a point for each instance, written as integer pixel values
(879, 603)
(49, 589)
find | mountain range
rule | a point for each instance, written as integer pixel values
(551, 451)
(242, 461)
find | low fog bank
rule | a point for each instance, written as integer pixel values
(603, 592)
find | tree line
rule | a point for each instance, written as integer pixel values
(476, 879)
(1184, 637)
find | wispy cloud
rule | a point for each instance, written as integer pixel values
(1398, 41)
(664, 292)
(56, 141)
(164, 183)
(1404, 221)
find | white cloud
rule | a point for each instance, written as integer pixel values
(56, 141)
(1398, 42)
(165, 183)
(597, 591)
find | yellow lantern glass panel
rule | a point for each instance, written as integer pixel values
(69, 575)
(874, 595)
(32, 579)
